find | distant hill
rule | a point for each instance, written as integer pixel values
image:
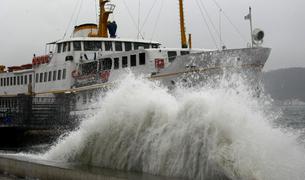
(284, 84)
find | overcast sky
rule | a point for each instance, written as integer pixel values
(27, 25)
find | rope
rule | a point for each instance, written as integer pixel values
(80, 7)
(96, 15)
(208, 27)
(229, 20)
(157, 20)
(148, 14)
(129, 13)
(139, 13)
(71, 19)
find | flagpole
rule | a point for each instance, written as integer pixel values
(251, 29)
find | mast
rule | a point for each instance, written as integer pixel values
(182, 25)
(104, 14)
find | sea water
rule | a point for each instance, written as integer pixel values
(195, 133)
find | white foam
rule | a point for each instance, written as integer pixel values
(195, 133)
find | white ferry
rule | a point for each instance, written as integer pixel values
(94, 58)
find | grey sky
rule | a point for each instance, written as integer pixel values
(27, 25)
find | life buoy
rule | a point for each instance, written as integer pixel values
(75, 73)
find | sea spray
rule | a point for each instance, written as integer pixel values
(202, 133)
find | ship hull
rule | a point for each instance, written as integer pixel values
(212, 67)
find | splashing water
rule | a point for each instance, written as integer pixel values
(199, 133)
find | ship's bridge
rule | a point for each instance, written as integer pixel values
(103, 44)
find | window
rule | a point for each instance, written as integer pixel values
(8, 81)
(184, 52)
(1, 82)
(128, 46)
(64, 74)
(64, 47)
(154, 46)
(68, 46)
(116, 63)
(15, 81)
(26, 79)
(58, 48)
(54, 75)
(18, 80)
(144, 45)
(118, 46)
(36, 78)
(171, 55)
(41, 77)
(106, 64)
(92, 45)
(124, 62)
(45, 77)
(11, 81)
(133, 60)
(89, 68)
(4, 82)
(142, 58)
(30, 78)
(21, 80)
(108, 45)
(59, 75)
(77, 46)
(50, 76)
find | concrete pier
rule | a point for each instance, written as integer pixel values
(25, 167)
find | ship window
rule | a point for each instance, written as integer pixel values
(155, 46)
(50, 76)
(92, 45)
(4, 82)
(68, 46)
(64, 73)
(8, 81)
(26, 79)
(89, 68)
(116, 63)
(184, 52)
(41, 77)
(64, 47)
(45, 77)
(36, 77)
(1, 82)
(106, 64)
(108, 45)
(124, 62)
(144, 45)
(54, 75)
(172, 55)
(21, 80)
(58, 48)
(30, 78)
(77, 46)
(11, 81)
(14, 81)
(18, 80)
(118, 46)
(59, 75)
(133, 60)
(142, 58)
(128, 46)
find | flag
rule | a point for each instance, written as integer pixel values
(248, 17)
